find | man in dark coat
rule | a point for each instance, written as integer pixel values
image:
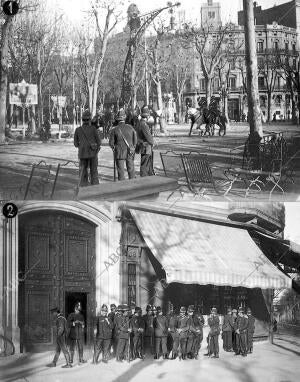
(61, 335)
(149, 331)
(198, 322)
(76, 332)
(227, 329)
(182, 329)
(241, 326)
(234, 317)
(87, 140)
(137, 325)
(145, 143)
(123, 141)
(250, 331)
(111, 316)
(213, 335)
(160, 324)
(172, 328)
(124, 332)
(103, 332)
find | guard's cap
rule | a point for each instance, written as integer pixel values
(214, 310)
(112, 305)
(145, 112)
(148, 307)
(86, 116)
(241, 309)
(137, 309)
(121, 116)
(183, 309)
(249, 310)
(158, 309)
(191, 308)
(104, 308)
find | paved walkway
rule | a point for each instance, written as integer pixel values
(269, 363)
(16, 160)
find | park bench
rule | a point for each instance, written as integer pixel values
(193, 171)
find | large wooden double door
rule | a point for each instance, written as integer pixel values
(56, 265)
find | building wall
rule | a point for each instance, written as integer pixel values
(211, 14)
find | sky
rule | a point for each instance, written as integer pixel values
(292, 228)
(229, 8)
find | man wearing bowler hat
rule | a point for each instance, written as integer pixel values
(160, 324)
(137, 325)
(145, 143)
(123, 141)
(87, 140)
(61, 334)
(124, 331)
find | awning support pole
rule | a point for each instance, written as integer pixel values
(271, 333)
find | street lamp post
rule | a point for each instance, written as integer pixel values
(138, 25)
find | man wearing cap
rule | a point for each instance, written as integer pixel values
(76, 333)
(241, 326)
(250, 331)
(123, 141)
(124, 331)
(234, 317)
(160, 324)
(149, 331)
(198, 323)
(182, 329)
(227, 329)
(87, 140)
(137, 325)
(145, 143)
(103, 333)
(61, 335)
(172, 328)
(213, 335)
(111, 316)
(191, 332)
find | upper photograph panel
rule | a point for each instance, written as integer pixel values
(109, 100)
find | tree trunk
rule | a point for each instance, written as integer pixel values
(269, 106)
(179, 108)
(5, 32)
(208, 90)
(160, 106)
(40, 104)
(226, 106)
(252, 74)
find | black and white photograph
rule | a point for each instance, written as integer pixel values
(149, 190)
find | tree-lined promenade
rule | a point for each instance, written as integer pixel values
(86, 64)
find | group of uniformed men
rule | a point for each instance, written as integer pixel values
(127, 334)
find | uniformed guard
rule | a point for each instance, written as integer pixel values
(149, 332)
(103, 333)
(234, 317)
(124, 331)
(250, 331)
(198, 320)
(172, 328)
(182, 329)
(213, 335)
(137, 325)
(191, 332)
(160, 324)
(61, 336)
(227, 329)
(112, 315)
(241, 326)
(145, 143)
(76, 332)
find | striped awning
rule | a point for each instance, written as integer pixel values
(194, 252)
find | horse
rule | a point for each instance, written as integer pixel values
(196, 118)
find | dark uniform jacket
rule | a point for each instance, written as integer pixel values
(62, 329)
(148, 325)
(76, 325)
(84, 140)
(172, 322)
(145, 139)
(228, 324)
(182, 323)
(117, 143)
(137, 323)
(198, 322)
(160, 324)
(104, 327)
(241, 323)
(122, 326)
(214, 325)
(112, 315)
(251, 324)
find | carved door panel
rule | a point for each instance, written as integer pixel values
(57, 254)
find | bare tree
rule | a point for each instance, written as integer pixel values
(103, 18)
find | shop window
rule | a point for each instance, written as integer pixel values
(260, 47)
(131, 271)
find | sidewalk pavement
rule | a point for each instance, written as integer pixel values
(269, 363)
(16, 160)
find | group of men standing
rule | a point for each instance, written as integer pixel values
(126, 334)
(125, 141)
